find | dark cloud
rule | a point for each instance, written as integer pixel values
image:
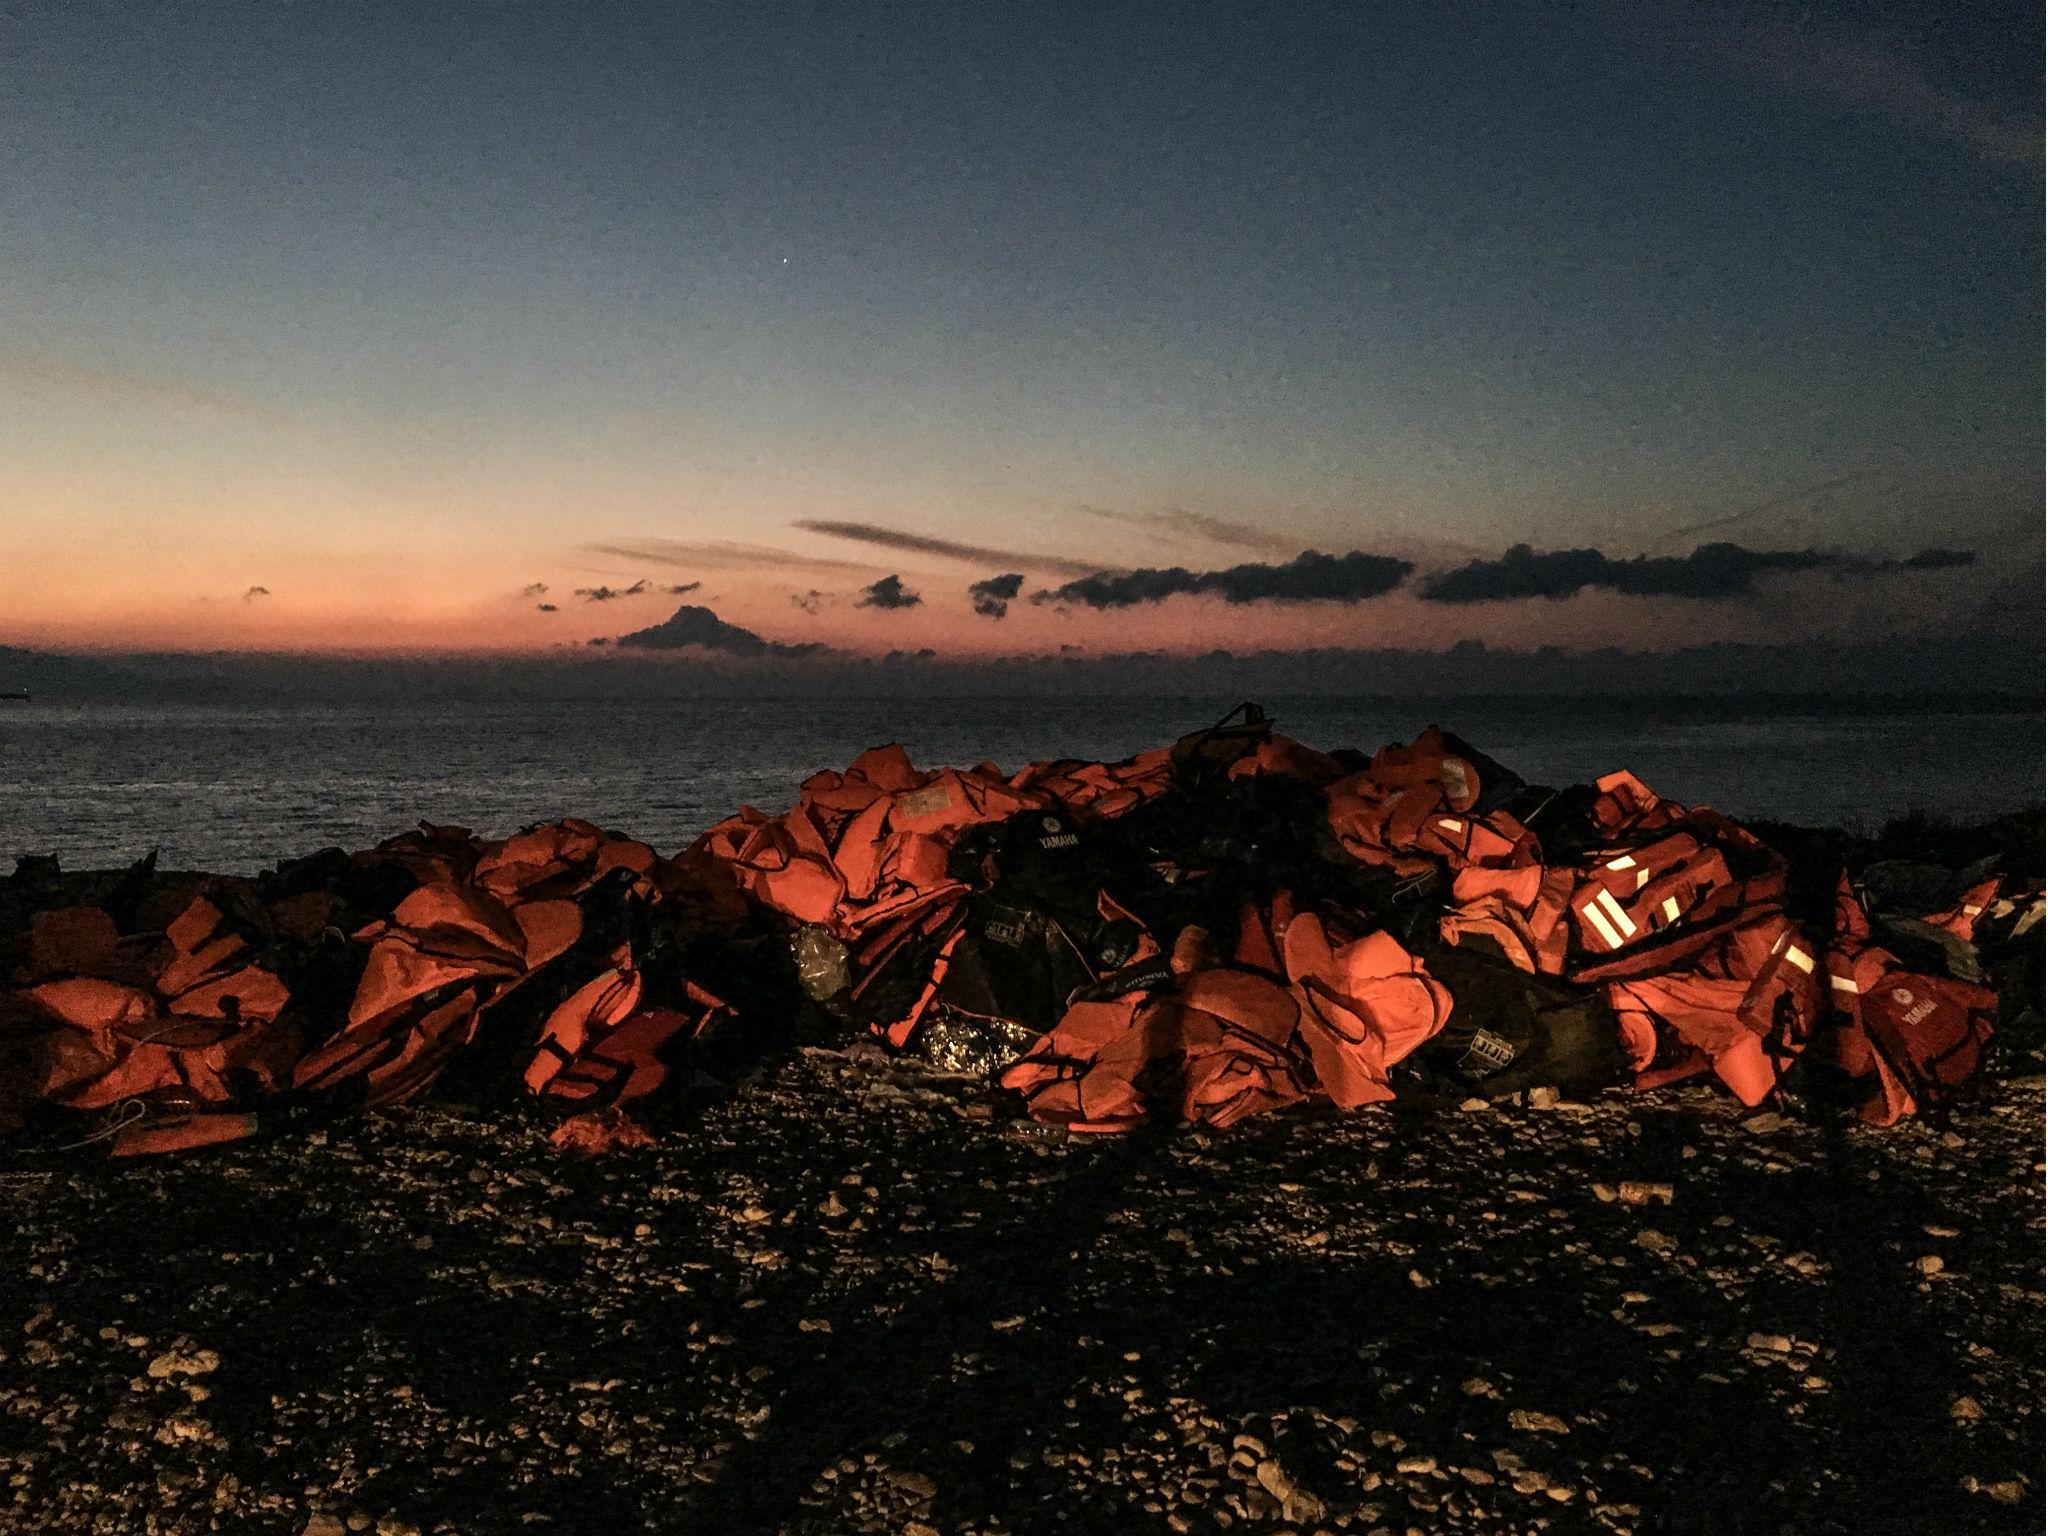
(547, 607)
(534, 589)
(597, 640)
(1310, 577)
(253, 593)
(691, 626)
(924, 653)
(1178, 521)
(810, 601)
(719, 556)
(889, 593)
(992, 598)
(945, 549)
(678, 591)
(607, 594)
(1713, 571)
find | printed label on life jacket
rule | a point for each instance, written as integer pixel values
(928, 801)
(1012, 929)
(1917, 1009)
(1457, 780)
(1056, 836)
(1487, 1052)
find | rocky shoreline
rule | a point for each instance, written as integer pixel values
(847, 1295)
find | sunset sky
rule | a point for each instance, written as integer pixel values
(354, 326)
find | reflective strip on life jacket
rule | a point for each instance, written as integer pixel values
(1793, 953)
(1604, 915)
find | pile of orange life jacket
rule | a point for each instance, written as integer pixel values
(195, 1033)
(1676, 916)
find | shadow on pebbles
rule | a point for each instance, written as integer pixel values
(851, 1299)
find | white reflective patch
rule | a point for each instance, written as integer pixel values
(1591, 913)
(1449, 825)
(1843, 984)
(1619, 917)
(1642, 878)
(1670, 909)
(1971, 911)
(1800, 958)
(1624, 862)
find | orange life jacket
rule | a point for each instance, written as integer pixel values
(1100, 791)
(205, 1029)
(1521, 910)
(1624, 803)
(862, 847)
(601, 1046)
(180, 1131)
(445, 954)
(1961, 919)
(1410, 809)
(1290, 1015)
(1669, 896)
(1743, 1007)
(1916, 1034)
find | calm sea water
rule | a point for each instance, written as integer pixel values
(235, 788)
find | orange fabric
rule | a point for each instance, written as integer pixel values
(429, 853)
(1427, 763)
(1287, 758)
(600, 1005)
(898, 1031)
(1100, 791)
(452, 949)
(1410, 830)
(207, 1025)
(1961, 919)
(1292, 1015)
(1626, 803)
(559, 859)
(1626, 896)
(1663, 895)
(863, 846)
(598, 1132)
(1746, 1004)
(1364, 1006)
(1112, 910)
(1521, 910)
(1915, 1034)
(1409, 810)
(181, 1133)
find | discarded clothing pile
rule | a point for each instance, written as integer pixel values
(1226, 926)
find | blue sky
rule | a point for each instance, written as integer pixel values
(395, 310)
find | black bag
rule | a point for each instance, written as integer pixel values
(1510, 1031)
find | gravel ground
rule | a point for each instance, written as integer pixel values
(847, 1297)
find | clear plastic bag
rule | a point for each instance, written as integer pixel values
(820, 963)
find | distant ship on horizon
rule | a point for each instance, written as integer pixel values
(13, 696)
